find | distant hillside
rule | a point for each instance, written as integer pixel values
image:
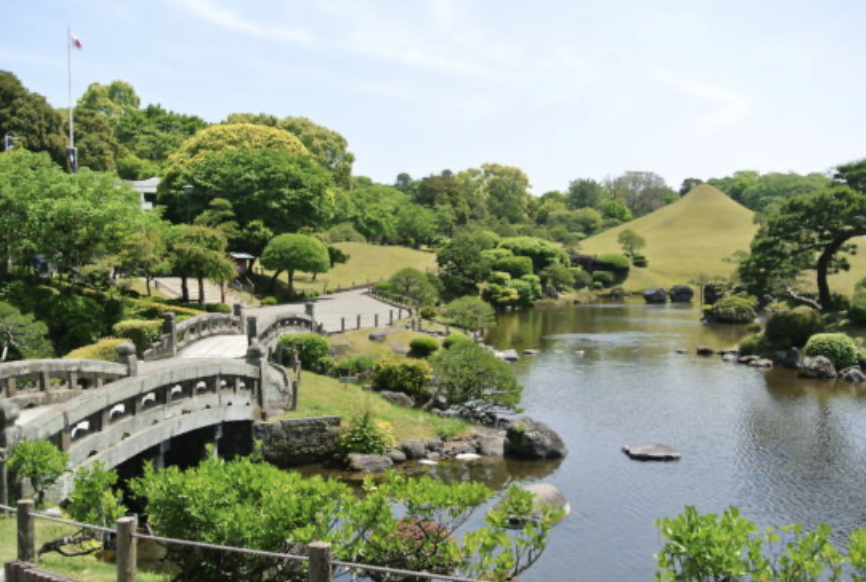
(685, 239)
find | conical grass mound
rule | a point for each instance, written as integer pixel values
(686, 240)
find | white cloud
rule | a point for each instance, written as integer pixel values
(223, 17)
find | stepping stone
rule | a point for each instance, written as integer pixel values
(651, 453)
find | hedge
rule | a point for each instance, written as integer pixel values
(836, 347)
(142, 332)
(794, 327)
(422, 347)
(411, 377)
(104, 349)
(312, 350)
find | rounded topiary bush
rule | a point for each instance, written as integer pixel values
(734, 309)
(836, 347)
(411, 377)
(606, 278)
(422, 347)
(428, 312)
(455, 339)
(857, 308)
(750, 344)
(794, 327)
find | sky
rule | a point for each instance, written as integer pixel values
(561, 89)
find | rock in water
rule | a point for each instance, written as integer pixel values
(818, 368)
(616, 294)
(508, 355)
(651, 453)
(544, 495)
(369, 463)
(705, 351)
(414, 449)
(655, 295)
(530, 439)
(853, 374)
(681, 294)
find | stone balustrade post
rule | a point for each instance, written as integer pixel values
(126, 356)
(310, 309)
(255, 357)
(252, 329)
(238, 310)
(169, 329)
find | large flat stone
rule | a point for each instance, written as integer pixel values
(651, 453)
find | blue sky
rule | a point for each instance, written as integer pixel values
(560, 89)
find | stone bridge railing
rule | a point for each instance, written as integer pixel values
(31, 383)
(176, 336)
(116, 422)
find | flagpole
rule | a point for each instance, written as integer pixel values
(69, 70)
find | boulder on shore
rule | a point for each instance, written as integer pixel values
(616, 294)
(529, 439)
(712, 293)
(681, 294)
(414, 449)
(853, 374)
(817, 368)
(655, 295)
(651, 453)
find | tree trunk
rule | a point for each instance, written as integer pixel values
(201, 291)
(274, 281)
(222, 293)
(184, 289)
(292, 282)
(823, 267)
(147, 284)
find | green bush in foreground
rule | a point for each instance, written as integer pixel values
(142, 332)
(366, 435)
(836, 347)
(727, 547)
(255, 505)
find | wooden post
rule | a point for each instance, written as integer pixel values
(127, 549)
(375, 320)
(359, 321)
(342, 324)
(320, 562)
(4, 481)
(390, 317)
(26, 531)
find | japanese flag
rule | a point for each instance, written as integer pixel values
(75, 41)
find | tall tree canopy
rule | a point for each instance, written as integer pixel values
(808, 231)
(642, 192)
(29, 117)
(295, 252)
(764, 192)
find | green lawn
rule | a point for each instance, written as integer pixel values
(84, 568)
(367, 263)
(322, 395)
(685, 240)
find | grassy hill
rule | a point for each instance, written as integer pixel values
(367, 263)
(686, 239)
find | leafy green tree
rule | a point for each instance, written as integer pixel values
(631, 242)
(93, 498)
(39, 461)
(471, 312)
(29, 117)
(200, 252)
(585, 220)
(414, 226)
(462, 265)
(550, 202)
(21, 336)
(149, 136)
(689, 184)
(542, 252)
(557, 276)
(444, 190)
(852, 174)
(371, 209)
(642, 192)
(736, 184)
(614, 211)
(295, 252)
(505, 189)
(114, 100)
(810, 231)
(144, 251)
(471, 378)
(414, 284)
(98, 149)
(584, 193)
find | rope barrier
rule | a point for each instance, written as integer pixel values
(206, 546)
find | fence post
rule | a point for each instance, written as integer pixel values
(359, 321)
(320, 562)
(342, 324)
(375, 320)
(390, 317)
(127, 549)
(26, 531)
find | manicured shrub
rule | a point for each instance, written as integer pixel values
(734, 309)
(142, 332)
(105, 350)
(614, 260)
(270, 300)
(402, 375)
(358, 366)
(582, 279)
(517, 267)
(499, 278)
(794, 327)
(640, 261)
(311, 348)
(423, 347)
(836, 347)
(605, 278)
(857, 309)
(750, 344)
(218, 308)
(154, 309)
(428, 312)
(455, 339)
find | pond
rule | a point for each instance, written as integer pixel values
(782, 449)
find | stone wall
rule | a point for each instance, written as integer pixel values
(290, 443)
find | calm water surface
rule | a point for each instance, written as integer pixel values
(782, 449)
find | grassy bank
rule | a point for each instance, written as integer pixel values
(322, 395)
(84, 568)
